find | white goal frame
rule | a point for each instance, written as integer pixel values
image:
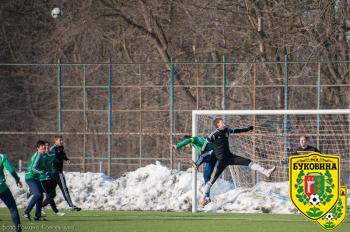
(195, 113)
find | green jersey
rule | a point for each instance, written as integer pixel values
(47, 161)
(5, 163)
(36, 166)
(197, 143)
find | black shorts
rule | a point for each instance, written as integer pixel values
(229, 159)
(236, 160)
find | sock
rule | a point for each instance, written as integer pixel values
(257, 167)
(206, 189)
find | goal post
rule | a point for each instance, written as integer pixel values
(275, 134)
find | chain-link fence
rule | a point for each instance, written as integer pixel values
(117, 117)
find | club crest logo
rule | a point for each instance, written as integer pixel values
(314, 183)
(337, 214)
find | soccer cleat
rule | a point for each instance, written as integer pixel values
(29, 194)
(75, 208)
(27, 216)
(40, 219)
(43, 211)
(268, 172)
(204, 201)
(60, 213)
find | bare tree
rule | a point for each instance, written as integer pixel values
(162, 31)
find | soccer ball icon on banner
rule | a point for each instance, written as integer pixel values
(56, 12)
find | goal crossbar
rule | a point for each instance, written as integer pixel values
(270, 112)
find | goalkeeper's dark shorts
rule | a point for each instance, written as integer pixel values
(226, 161)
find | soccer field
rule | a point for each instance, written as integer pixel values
(168, 221)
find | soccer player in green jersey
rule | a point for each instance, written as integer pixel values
(5, 193)
(35, 168)
(206, 156)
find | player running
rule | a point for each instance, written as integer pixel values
(35, 168)
(58, 150)
(206, 156)
(5, 193)
(48, 182)
(219, 138)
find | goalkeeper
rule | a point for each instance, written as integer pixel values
(206, 156)
(219, 138)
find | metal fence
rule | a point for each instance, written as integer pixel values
(116, 117)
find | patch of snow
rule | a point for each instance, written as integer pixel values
(156, 187)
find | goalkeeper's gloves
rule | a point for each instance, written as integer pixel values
(250, 128)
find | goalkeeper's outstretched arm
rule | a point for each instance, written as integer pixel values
(240, 130)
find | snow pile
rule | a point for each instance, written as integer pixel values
(265, 197)
(156, 187)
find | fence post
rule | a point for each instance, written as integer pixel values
(285, 120)
(85, 118)
(59, 96)
(140, 116)
(172, 80)
(100, 163)
(257, 175)
(109, 115)
(223, 101)
(224, 82)
(318, 101)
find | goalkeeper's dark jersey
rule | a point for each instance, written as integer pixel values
(307, 149)
(219, 138)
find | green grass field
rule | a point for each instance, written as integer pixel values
(168, 221)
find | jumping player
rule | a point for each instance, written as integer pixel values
(206, 156)
(58, 150)
(5, 193)
(219, 138)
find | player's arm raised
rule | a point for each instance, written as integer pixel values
(240, 130)
(183, 143)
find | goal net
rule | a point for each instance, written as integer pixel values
(275, 136)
